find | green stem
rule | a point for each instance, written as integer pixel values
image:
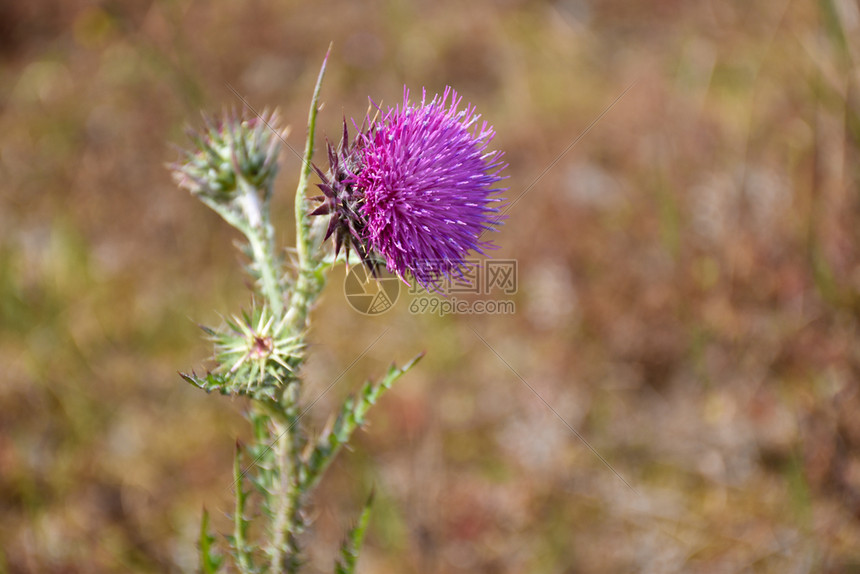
(261, 237)
(286, 517)
(240, 525)
(283, 525)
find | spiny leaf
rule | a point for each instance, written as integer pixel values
(210, 382)
(240, 523)
(352, 415)
(351, 545)
(209, 563)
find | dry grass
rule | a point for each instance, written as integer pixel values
(688, 287)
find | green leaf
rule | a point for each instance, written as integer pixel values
(353, 414)
(351, 546)
(240, 523)
(225, 385)
(209, 563)
(209, 383)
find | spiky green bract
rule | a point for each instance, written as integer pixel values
(257, 348)
(351, 545)
(255, 354)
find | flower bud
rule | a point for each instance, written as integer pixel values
(231, 149)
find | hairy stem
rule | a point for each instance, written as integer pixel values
(261, 237)
(240, 526)
(284, 544)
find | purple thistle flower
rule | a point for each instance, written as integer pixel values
(427, 181)
(415, 189)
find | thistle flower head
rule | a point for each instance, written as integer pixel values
(421, 187)
(229, 149)
(255, 350)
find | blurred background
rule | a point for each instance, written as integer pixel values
(688, 278)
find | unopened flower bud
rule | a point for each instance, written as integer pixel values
(231, 149)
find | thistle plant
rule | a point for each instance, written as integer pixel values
(413, 190)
